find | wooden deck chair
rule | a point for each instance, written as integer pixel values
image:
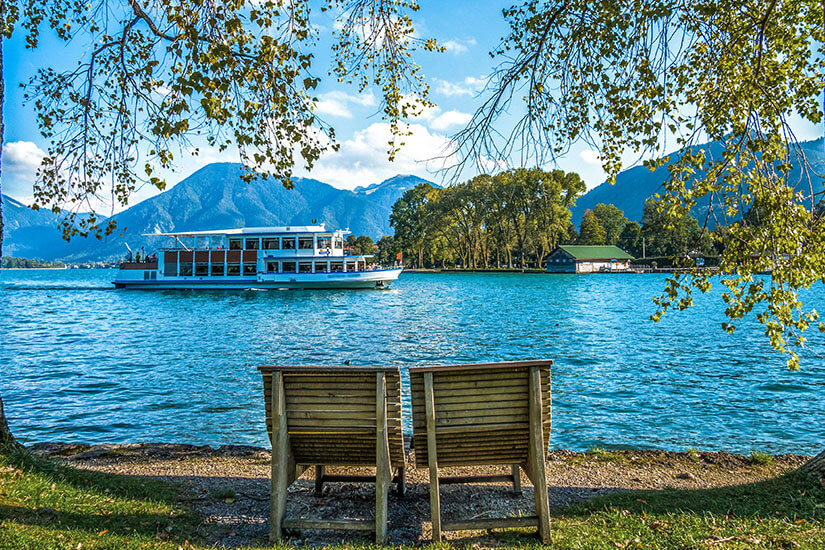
(326, 416)
(494, 413)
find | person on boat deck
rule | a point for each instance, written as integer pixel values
(137, 256)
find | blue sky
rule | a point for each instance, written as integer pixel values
(469, 30)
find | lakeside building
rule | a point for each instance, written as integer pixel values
(587, 259)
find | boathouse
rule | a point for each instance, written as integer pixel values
(587, 259)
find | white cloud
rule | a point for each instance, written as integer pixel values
(457, 47)
(469, 86)
(338, 103)
(449, 119)
(432, 116)
(590, 156)
(21, 159)
(362, 160)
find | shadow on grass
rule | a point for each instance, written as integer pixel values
(41, 492)
(795, 495)
(116, 524)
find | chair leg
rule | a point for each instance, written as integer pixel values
(320, 470)
(382, 485)
(542, 504)
(383, 469)
(536, 452)
(516, 479)
(435, 503)
(432, 457)
(401, 485)
(280, 460)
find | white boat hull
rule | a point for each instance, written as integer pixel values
(380, 278)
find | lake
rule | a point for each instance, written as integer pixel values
(82, 362)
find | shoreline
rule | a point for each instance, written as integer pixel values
(536, 271)
(229, 486)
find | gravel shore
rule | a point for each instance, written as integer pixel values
(229, 486)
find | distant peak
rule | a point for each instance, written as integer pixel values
(407, 181)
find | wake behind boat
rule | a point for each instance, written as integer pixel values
(308, 257)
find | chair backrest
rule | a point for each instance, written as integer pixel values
(482, 411)
(331, 413)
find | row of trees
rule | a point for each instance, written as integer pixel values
(659, 234)
(515, 219)
(10, 262)
(512, 219)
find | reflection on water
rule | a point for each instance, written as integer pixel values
(83, 362)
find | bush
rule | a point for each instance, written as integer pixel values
(763, 459)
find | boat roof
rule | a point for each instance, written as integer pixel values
(320, 228)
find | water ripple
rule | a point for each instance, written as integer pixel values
(82, 362)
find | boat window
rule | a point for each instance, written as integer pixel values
(170, 269)
(201, 270)
(320, 267)
(324, 242)
(253, 244)
(272, 243)
(287, 267)
(289, 243)
(145, 275)
(250, 269)
(233, 270)
(185, 270)
(203, 242)
(351, 266)
(235, 244)
(336, 267)
(272, 267)
(217, 269)
(305, 243)
(304, 267)
(339, 242)
(154, 275)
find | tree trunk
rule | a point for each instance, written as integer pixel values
(2, 98)
(5, 434)
(6, 438)
(816, 465)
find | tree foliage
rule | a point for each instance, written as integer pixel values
(630, 239)
(642, 77)
(26, 263)
(611, 219)
(591, 230)
(514, 218)
(238, 75)
(409, 219)
(672, 235)
(362, 244)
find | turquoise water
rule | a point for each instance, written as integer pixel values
(82, 362)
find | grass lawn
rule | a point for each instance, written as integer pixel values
(44, 505)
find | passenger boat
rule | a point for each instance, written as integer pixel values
(308, 257)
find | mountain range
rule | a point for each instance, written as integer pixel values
(215, 197)
(635, 185)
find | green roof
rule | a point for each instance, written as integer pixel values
(596, 252)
